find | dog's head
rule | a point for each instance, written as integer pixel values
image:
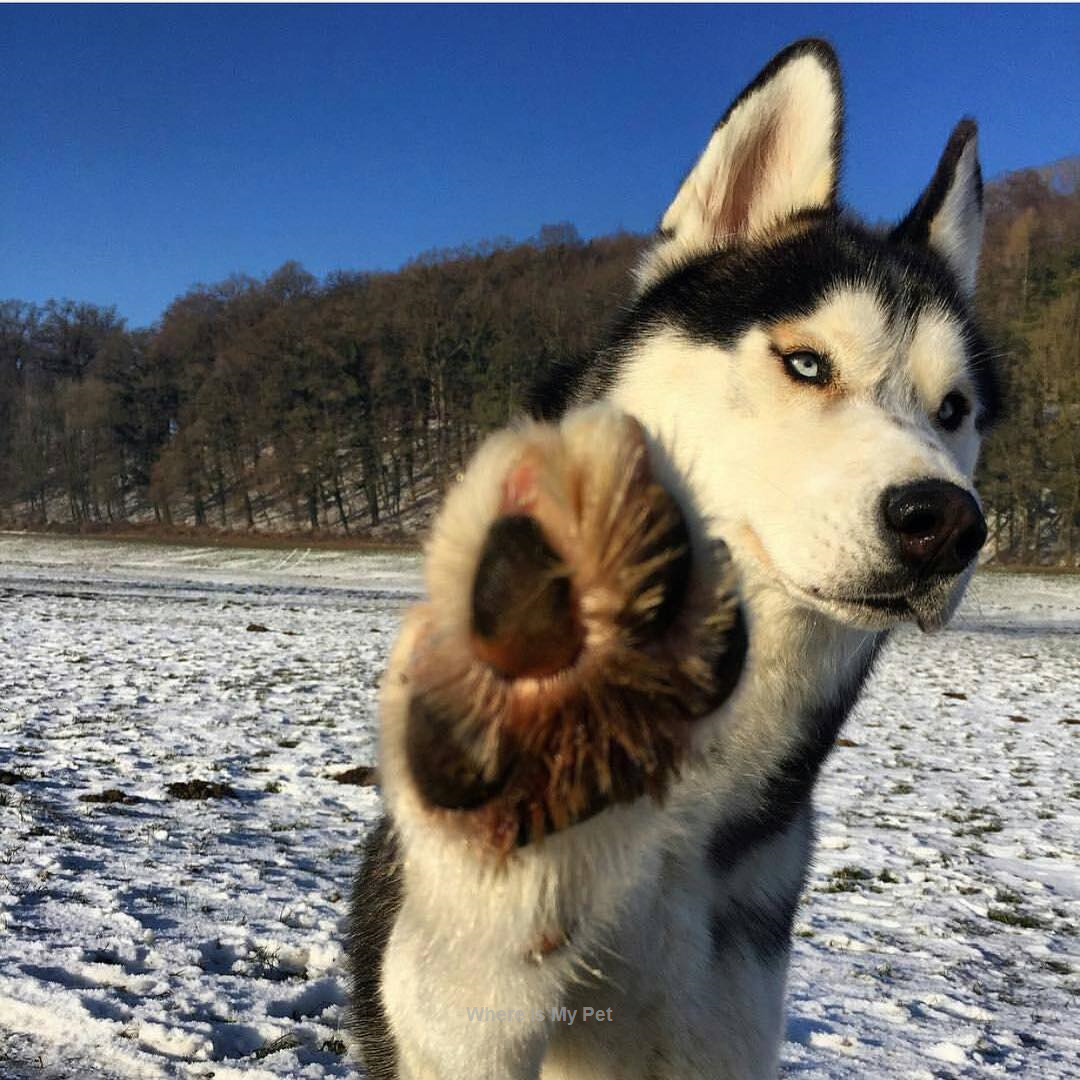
(824, 384)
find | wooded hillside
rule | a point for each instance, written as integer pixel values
(346, 405)
(1029, 300)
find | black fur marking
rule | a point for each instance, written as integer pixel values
(557, 388)
(376, 900)
(787, 790)
(715, 298)
(764, 926)
(729, 666)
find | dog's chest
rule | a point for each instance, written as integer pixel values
(686, 966)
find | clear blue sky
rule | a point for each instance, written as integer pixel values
(143, 149)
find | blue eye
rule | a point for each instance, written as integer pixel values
(807, 366)
(952, 410)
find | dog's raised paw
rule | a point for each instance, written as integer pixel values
(579, 626)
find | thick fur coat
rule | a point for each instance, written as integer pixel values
(587, 807)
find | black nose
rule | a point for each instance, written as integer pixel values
(937, 527)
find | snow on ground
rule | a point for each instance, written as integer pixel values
(154, 936)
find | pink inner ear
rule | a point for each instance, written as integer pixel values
(520, 488)
(749, 169)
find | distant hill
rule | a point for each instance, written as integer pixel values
(1029, 296)
(341, 406)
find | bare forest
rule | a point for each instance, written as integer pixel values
(345, 406)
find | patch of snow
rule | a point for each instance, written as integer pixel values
(159, 937)
(950, 1052)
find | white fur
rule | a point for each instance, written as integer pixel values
(633, 888)
(755, 446)
(793, 478)
(484, 954)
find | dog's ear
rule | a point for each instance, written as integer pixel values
(775, 152)
(948, 218)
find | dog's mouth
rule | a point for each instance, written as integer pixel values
(928, 606)
(869, 605)
(867, 611)
(893, 608)
(888, 605)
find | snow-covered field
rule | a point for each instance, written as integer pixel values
(158, 936)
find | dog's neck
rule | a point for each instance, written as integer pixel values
(793, 645)
(804, 672)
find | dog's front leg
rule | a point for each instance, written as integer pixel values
(537, 707)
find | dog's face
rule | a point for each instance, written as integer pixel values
(824, 385)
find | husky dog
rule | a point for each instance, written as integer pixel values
(597, 764)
